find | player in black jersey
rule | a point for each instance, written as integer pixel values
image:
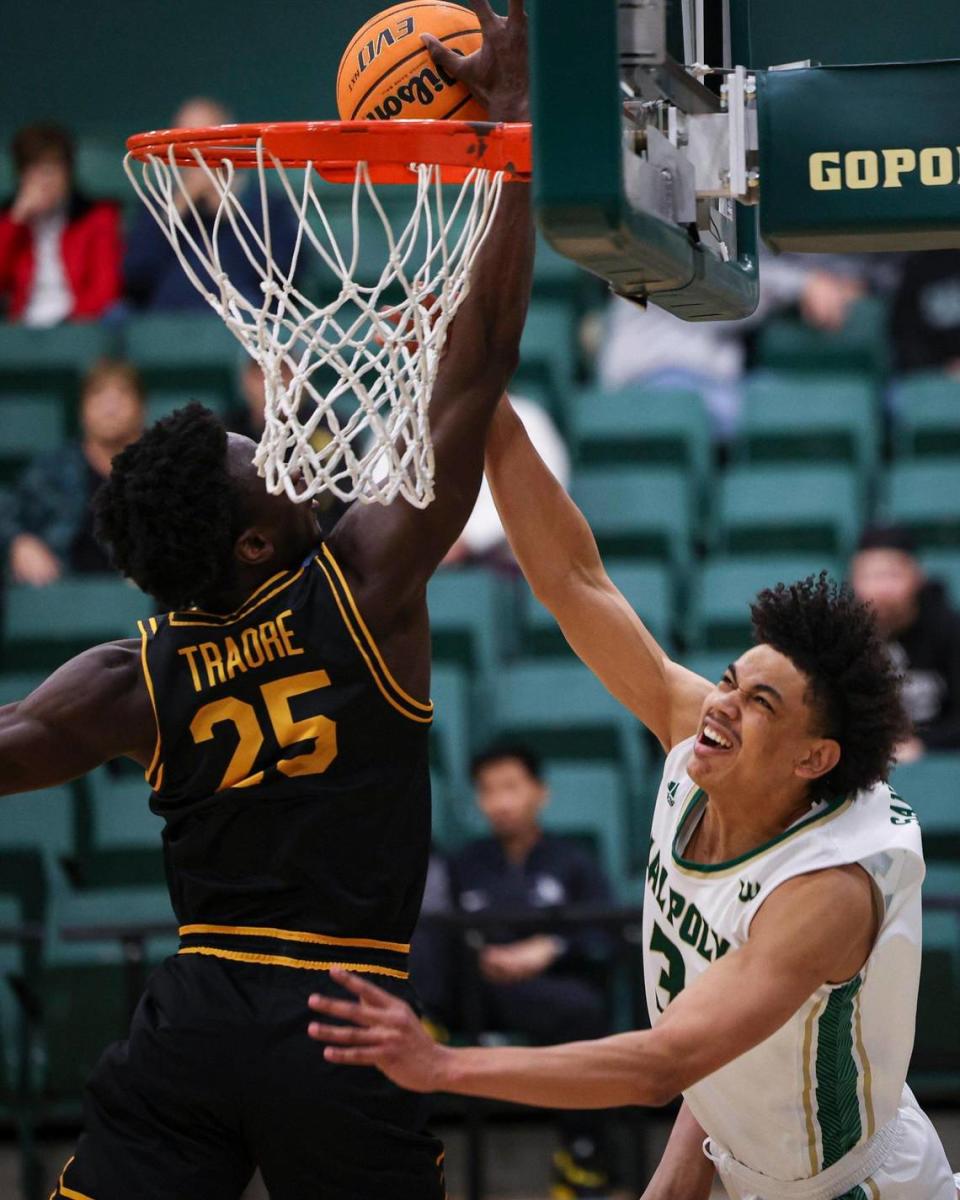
(279, 711)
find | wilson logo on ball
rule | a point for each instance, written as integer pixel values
(387, 73)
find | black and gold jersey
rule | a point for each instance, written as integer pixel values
(290, 768)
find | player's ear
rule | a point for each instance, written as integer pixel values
(252, 548)
(819, 759)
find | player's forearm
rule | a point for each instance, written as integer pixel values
(626, 1069)
(547, 532)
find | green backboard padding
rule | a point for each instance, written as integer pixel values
(858, 194)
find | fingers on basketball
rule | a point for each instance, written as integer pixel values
(408, 61)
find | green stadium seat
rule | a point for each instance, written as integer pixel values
(786, 343)
(120, 817)
(710, 665)
(588, 798)
(16, 686)
(548, 349)
(187, 351)
(927, 420)
(567, 712)
(471, 612)
(555, 275)
(810, 419)
(720, 610)
(944, 566)
(45, 362)
(31, 425)
(785, 509)
(633, 425)
(86, 984)
(931, 786)
(924, 495)
(936, 1052)
(161, 402)
(450, 744)
(647, 587)
(44, 626)
(637, 512)
(100, 173)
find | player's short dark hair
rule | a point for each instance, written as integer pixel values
(831, 636)
(41, 140)
(504, 752)
(170, 513)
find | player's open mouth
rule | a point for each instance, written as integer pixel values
(714, 740)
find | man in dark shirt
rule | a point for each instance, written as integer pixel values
(923, 633)
(153, 278)
(925, 313)
(541, 985)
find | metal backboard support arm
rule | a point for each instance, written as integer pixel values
(582, 195)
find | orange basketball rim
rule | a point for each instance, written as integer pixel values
(334, 148)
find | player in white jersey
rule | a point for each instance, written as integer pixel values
(782, 908)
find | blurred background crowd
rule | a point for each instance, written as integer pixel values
(711, 459)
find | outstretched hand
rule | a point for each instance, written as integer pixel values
(382, 1031)
(496, 75)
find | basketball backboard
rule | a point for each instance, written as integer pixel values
(657, 138)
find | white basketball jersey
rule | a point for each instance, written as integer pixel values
(834, 1073)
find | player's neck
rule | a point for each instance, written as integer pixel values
(516, 849)
(735, 822)
(244, 583)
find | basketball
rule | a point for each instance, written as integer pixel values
(387, 73)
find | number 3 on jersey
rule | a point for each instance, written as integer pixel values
(277, 696)
(674, 975)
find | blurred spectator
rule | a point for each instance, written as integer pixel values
(50, 525)
(60, 252)
(923, 633)
(154, 279)
(435, 949)
(483, 539)
(655, 348)
(925, 316)
(540, 984)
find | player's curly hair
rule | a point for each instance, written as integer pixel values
(169, 514)
(831, 636)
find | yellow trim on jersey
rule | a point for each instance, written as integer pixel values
(296, 935)
(279, 960)
(871, 1186)
(865, 1072)
(808, 1073)
(377, 679)
(149, 774)
(70, 1193)
(368, 636)
(216, 621)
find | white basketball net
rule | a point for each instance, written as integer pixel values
(366, 437)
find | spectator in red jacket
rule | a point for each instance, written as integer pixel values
(60, 253)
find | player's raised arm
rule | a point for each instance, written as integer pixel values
(93, 709)
(558, 554)
(391, 552)
(814, 929)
